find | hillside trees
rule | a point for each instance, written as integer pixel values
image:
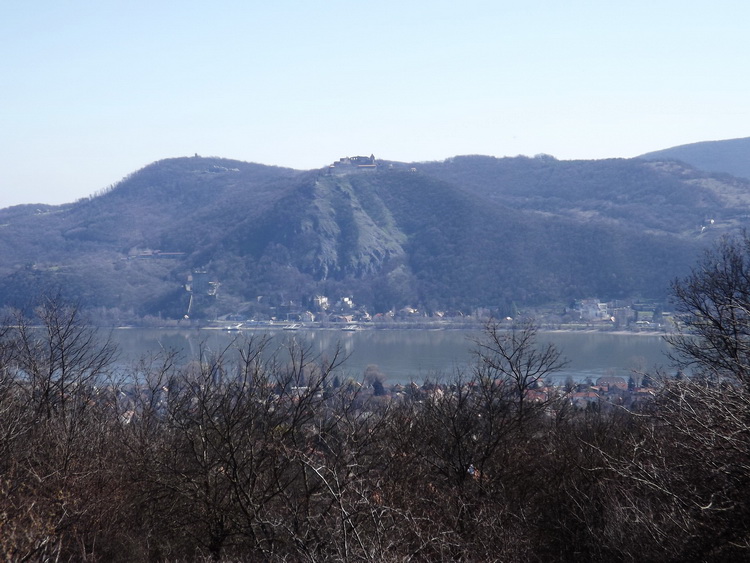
(468, 454)
(251, 452)
(710, 411)
(714, 303)
(686, 464)
(58, 464)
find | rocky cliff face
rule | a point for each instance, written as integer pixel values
(350, 233)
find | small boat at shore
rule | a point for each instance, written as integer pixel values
(351, 328)
(293, 326)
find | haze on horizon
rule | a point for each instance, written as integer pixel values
(93, 92)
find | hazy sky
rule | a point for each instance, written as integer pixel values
(92, 91)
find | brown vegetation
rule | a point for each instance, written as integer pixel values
(256, 452)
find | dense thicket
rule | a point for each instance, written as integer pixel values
(260, 452)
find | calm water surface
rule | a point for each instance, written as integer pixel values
(406, 355)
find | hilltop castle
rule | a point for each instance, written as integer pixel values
(352, 163)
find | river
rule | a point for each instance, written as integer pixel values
(413, 354)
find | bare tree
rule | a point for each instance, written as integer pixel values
(466, 453)
(61, 356)
(56, 422)
(685, 464)
(237, 431)
(515, 358)
(713, 307)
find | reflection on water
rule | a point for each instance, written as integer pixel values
(406, 355)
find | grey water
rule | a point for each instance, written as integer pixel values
(415, 355)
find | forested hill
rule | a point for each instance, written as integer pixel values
(730, 156)
(466, 232)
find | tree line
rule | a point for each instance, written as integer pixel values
(259, 451)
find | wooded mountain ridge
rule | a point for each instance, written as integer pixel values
(730, 156)
(467, 232)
